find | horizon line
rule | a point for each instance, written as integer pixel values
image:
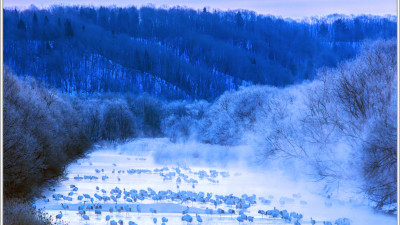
(209, 9)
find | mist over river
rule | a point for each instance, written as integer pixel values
(163, 169)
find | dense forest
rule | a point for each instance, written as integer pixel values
(177, 53)
(317, 94)
(343, 119)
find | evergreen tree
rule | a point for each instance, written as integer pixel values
(21, 25)
(35, 27)
(239, 20)
(69, 32)
(147, 61)
(137, 64)
(34, 19)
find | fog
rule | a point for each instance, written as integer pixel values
(282, 189)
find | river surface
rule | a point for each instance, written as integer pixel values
(158, 157)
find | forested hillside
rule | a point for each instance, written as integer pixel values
(314, 98)
(339, 128)
(177, 53)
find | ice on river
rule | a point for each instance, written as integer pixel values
(139, 165)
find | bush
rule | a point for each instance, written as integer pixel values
(148, 112)
(236, 114)
(18, 212)
(119, 122)
(181, 119)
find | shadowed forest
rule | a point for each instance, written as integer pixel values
(177, 53)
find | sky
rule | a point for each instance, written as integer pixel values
(286, 8)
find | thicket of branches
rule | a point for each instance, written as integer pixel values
(44, 130)
(17, 211)
(42, 134)
(342, 126)
(357, 103)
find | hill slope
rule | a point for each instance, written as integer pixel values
(177, 53)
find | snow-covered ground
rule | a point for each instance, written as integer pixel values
(156, 158)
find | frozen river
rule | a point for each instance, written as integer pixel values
(146, 164)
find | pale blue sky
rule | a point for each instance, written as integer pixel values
(284, 8)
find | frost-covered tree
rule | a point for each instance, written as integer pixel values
(42, 134)
(340, 128)
(347, 130)
(119, 122)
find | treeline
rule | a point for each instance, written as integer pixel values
(177, 53)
